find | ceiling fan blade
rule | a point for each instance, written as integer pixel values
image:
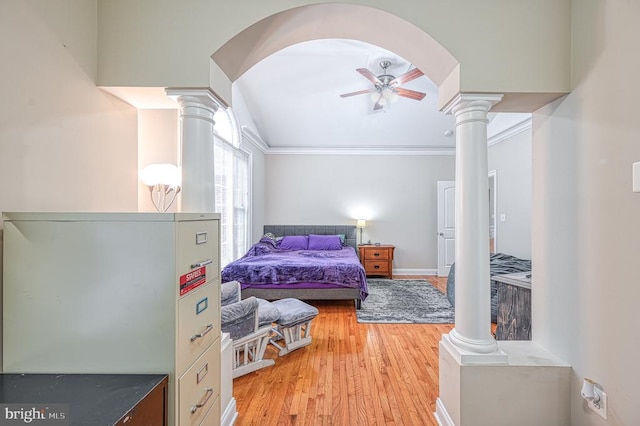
(406, 77)
(369, 76)
(412, 94)
(360, 92)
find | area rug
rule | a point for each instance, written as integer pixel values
(405, 302)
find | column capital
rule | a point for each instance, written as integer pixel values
(483, 101)
(203, 96)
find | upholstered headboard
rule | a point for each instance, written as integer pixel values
(284, 230)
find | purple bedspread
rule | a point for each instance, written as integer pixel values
(265, 264)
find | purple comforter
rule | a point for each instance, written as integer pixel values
(265, 264)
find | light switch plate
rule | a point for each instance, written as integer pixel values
(636, 177)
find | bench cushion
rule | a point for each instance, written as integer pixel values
(294, 311)
(267, 313)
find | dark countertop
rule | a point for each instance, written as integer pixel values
(519, 279)
(92, 399)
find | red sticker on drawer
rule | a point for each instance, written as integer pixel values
(193, 279)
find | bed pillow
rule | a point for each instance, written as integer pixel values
(324, 242)
(269, 238)
(294, 242)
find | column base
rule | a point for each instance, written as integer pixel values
(467, 351)
(533, 388)
(442, 416)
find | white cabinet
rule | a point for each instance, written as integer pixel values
(116, 293)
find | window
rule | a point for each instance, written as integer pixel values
(232, 188)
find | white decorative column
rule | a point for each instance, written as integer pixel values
(473, 367)
(472, 332)
(195, 155)
(469, 346)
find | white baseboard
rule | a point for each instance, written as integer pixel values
(442, 416)
(415, 271)
(229, 415)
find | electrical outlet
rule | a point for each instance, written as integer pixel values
(601, 406)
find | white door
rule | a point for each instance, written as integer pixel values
(446, 226)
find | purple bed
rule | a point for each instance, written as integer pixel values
(304, 262)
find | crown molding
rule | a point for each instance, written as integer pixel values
(510, 132)
(255, 139)
(369, 150)
(251, 136)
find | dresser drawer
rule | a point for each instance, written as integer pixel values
(198, 323)
(376, 254)
(197, 253)
(199, 388)
(376, 268)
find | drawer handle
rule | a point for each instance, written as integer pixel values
(376, 254)
(376, 266)
(199, 335)
(201, 238)
(201, 264)
(209, 392)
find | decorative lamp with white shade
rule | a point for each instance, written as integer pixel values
(360, 224)
(164, 182)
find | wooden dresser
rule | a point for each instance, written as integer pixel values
(377, 260)
(514, 306)
(117, 293)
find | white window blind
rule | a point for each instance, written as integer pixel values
(232, 195)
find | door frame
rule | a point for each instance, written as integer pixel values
(493, 187)
(444, 235)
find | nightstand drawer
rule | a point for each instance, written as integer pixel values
(376, 268)
(377, 260)
(376, 254)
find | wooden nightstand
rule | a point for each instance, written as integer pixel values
(377, 260)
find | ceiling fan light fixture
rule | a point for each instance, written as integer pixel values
(389, 95)
(386, 87)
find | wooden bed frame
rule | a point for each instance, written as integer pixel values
(310, 293)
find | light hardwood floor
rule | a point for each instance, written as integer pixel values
(351, 374)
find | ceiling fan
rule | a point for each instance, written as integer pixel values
(386, 86)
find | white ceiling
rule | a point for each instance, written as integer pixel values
(294, 99)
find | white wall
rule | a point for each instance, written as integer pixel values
(511, 159)
(157, 143)
(586, 219)
(145, 43)
(64, 144)
(395, 194)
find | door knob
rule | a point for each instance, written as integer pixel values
(441, 234)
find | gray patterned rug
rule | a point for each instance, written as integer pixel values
(405, 302)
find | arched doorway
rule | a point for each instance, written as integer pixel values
(345, 21)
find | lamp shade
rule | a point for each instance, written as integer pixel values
(360, 223)
(161, 174)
